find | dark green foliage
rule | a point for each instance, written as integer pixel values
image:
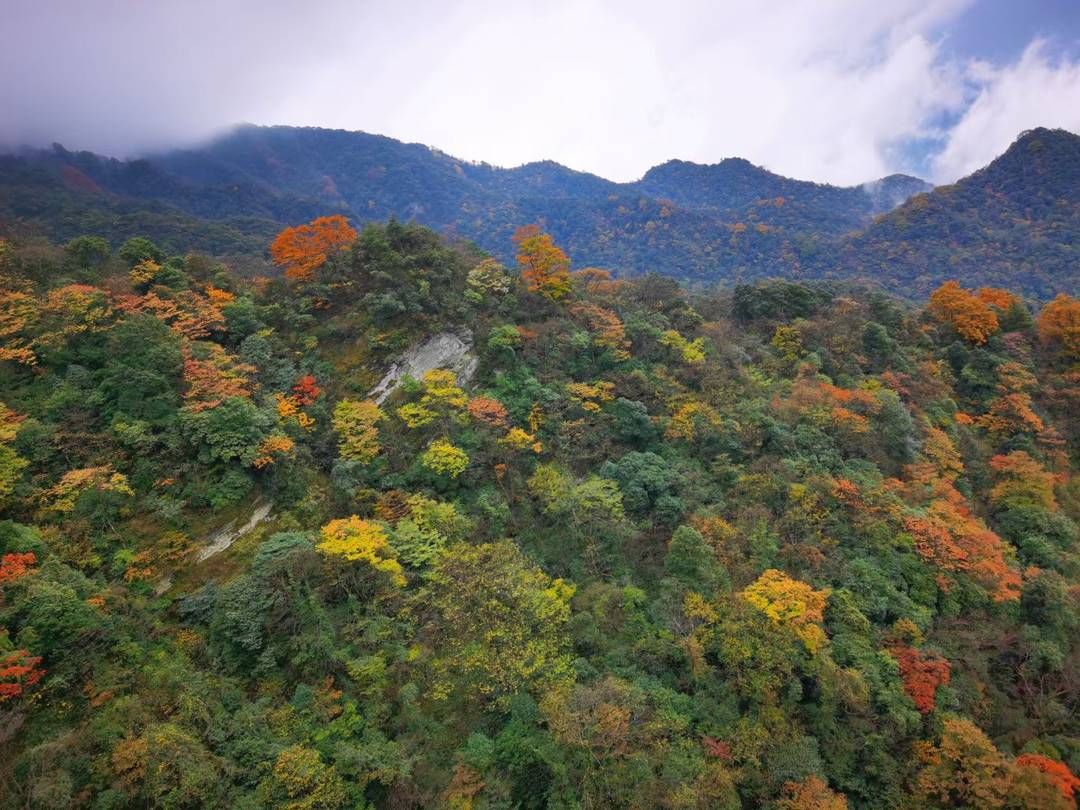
(139, 248)
(667, 579)
(1012, 224)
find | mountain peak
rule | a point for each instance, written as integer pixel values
(1041, 162)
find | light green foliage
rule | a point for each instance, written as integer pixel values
(689, 351)
(562, 496)
(505, 337)
(501, 621)
(357, 425)
(430, 525)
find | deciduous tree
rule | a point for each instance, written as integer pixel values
(357, 426)
(303, 249)
(1059, 325)
(359, 540)
(544, 267)
(969, 315)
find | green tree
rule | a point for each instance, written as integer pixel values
(499, 625)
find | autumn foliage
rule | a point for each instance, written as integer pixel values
(15, 566)
(489, 411)
(967, 313)
(1020, 480)
(606, 327)
(921, 675)
(953, 538)
(361, 541)
(306, 391)
(1059, 772)
(790, 603)
(18, 670)
(357, 425)
(1059, 325)
(544, 267)
(811, 794)
(215, 377)
(303, 249)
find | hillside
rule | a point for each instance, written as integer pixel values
(1014, 223)
(783, 546)
(720, 222)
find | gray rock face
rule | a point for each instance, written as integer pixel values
(221, 540)
(444, 350)
(227, 535)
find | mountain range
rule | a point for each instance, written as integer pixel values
(1015, 223)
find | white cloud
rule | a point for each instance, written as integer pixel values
(817, 90)
(1036, 91)
(830, 91)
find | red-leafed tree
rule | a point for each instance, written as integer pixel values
(18, 670)
(15, 566)
(921, 675)
(306, 391)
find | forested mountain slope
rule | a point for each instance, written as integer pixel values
(785, 546)
(1015, 223)
(712, 223)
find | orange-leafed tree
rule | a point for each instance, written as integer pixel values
(489, 411)
(951, 537)
(544, 267)
(1021, 481)
(596, 281)
(1058, 772)
(1010, 414)
(997, 298)
(963, 770)
(214, 377)
(303, 249)
(810, 794)
(1059, 325)
(606, 327)
(971, 317)
(18, 311)
(16, 565)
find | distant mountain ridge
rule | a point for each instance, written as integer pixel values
(1015, 222)
(724, 222)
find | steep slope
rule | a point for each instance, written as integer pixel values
(628, 547)
(1014, 223)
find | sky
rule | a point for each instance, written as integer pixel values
(840, 91)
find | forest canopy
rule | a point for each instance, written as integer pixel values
(787, 545)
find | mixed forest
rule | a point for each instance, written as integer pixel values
(1013, 224)
(796, 546)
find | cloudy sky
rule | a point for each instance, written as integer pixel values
(832, 90)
